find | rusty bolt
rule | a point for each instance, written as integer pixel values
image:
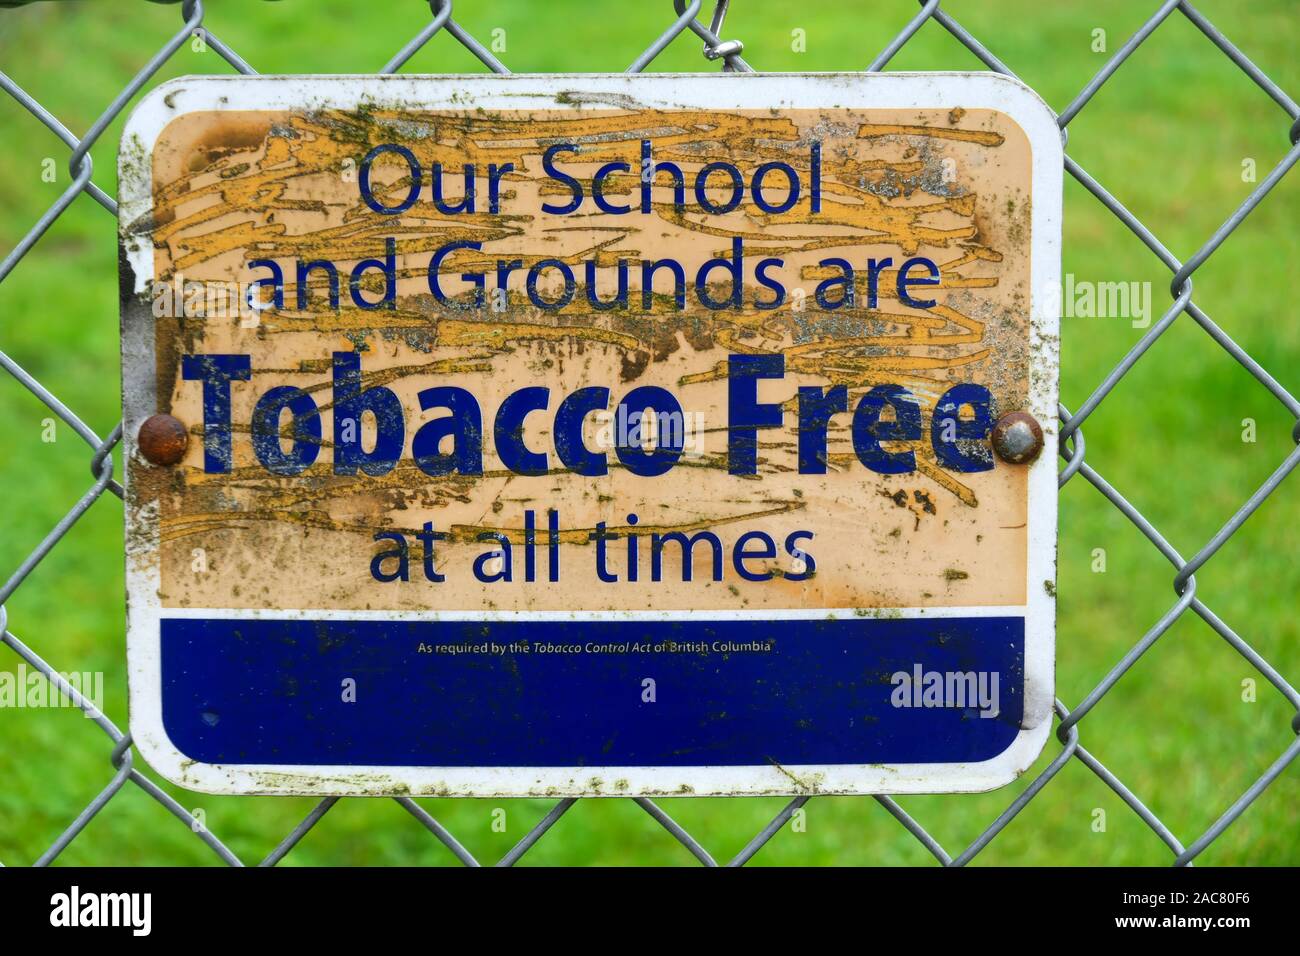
(1017, 438)
(163, 439)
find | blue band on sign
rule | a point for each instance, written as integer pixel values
(856, 690)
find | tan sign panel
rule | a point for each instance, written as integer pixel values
(585, 435)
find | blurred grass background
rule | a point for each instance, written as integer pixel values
(1167, 135)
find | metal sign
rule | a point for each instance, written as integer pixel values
(591, 435)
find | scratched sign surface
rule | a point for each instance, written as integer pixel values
(589, 435)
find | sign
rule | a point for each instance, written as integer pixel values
(578, 435)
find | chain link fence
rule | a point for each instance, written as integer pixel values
(686, 18)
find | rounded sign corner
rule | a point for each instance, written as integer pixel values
(1021, 755)
(162, 755)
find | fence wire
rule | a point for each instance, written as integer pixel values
(121, 757)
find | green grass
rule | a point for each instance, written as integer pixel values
(1167, 136)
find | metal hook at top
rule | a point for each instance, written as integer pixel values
(719, 14)
(715, 48)
(724, 48)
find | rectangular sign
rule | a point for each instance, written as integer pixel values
(591, 435)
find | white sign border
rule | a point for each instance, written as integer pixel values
(554, 91)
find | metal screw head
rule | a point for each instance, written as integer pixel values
(163, 439)
(1017, 438)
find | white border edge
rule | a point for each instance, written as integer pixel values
(978, 91)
